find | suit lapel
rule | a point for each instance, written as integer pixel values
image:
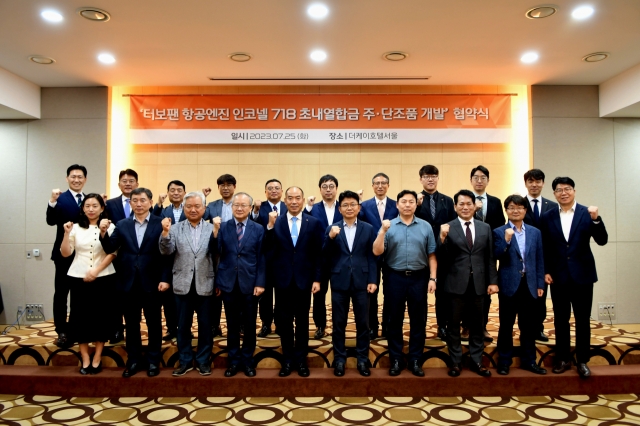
(186, 231)
(458, 228)
(284, 229)
(120, 207)
(343, 236)
(577, 217)
(555, 220)
(248, 232)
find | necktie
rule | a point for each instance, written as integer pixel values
(240, 233)
(79, 197)
(536, 211)
(469, 236)
(275, 209)
(127, 207)
(480, 213)
(432, 205)
(381, 210)
(294, 230)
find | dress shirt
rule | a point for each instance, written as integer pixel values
(566, 218)
(89, 252)
(140, 228)
(521, 239)
(471, 226)
(484, 203)
(350, 233)
(407, 247)
(124, 203)
(195, 233)
(329, 210)
(75, 197)
(177, 212)
(226, 213)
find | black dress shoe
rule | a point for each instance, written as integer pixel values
(561, 367)
(169, 337)
(153, 370)
(130, 370)
(542, 337)
(415, 369)
(373, 334)
(503, 370)
(118, 336)
(285, 369)
(583, 370)
(182, 370)
(338, 369)
(395, 368)
(454, 370)
(464, 334)
(96, 370)
(363, 369)
(303, 370)
(442, 334)
(63, 341)
(216, 331)
(264, 331)
(232, 370)
(204, 369)
(319, 334)
(487, 337)
(249, 371)
(534, 369)
(85, 371)
(479, 369)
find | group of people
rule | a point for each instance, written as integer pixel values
(132, 256)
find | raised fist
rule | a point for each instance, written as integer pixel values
(311, 200)
(206, 191)
(55, 193)
(217, 221)
(508, 234)
(386, 224)
(335, 230)
(272, 219)
(478, 205)
(256, 206)
(161, 198)
(105, 197)
(444, 231)
(104, 225)
(360, 192)
(67, 227)
(593, 211)
(420, 198)
(166, 225)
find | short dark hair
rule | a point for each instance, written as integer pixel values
(464, 193)
(226, 178)
(563, 180)
(83, 220)
(516, 199)
(129, 172)
(139, 191)
(291, 187)
(535, 174)
(429, 169)
(177, 183)
(348, 194)
(327, 178)
(405, 192)
(76, 167)
(380, 175)
(272, 180)
(482, 169)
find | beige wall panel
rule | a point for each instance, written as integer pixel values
(338, 153)
(454, 178)
(259, 154)
(148, 178)
(394, 171)
(39, 278)
(186, 173)
(627, 160)
(177, 154)
(349, 177)
(13, 137)
(606, 289)
(208, 176)
(410, 178)
(497, 153)
(462, 153)
(74, 102)
(12, 265)
(565, 101)
(499, 185)
(218, 154)
(299, 154)
(628, 291)
(381, 153)
(304, 176)
(421, 154)
(143, 154)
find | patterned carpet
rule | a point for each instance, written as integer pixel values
(541, 410)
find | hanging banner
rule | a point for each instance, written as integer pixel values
(292, 118)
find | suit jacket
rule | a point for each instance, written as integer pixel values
(168, 212)
(302, 263)
(342, 265)
(495, 214)
(244, 263)
(265, 209)
(544, 206)
(145, 259)
(459, 261)
(214, 209)
(571, 259)
(66, 210)
(115, 210)
(190, 260)
(444, 211)
(319, 212)
(511, 262)
(369, 212)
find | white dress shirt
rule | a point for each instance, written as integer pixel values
(566, 218)
(89, 252)
(298, 222)
(471, 226)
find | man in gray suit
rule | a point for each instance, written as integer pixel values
(191, 242)
(465, 250)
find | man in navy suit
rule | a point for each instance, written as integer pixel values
(327, 212)
(273, 191)
(240, 279)
(537, 205)
(570, 269)
(374, 211)
(64, 207)
(348, 257)
(143, 276)
(436, 208)
(295, 241)
(518, 248)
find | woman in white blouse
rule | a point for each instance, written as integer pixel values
(91, 275)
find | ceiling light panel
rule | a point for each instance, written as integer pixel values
(529, 57)
(582, 12)
(318, 55)
(106, 58)
(51, 16)
(318, 11)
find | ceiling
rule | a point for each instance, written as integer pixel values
(453, 42)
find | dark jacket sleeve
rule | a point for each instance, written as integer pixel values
(111, 243)
(318, 237)
(540, 264)
(52, 217)
(262, 262)
(599, 233)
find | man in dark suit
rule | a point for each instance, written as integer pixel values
(349, 259)
(240, 279)
(436, 208)
(296, 243)
(374, 211)
(64, 207)
(327, 212)
(273, 191)
(518, 247)
(466, 247)
(536, 207)
(570, 269)
(142, 276)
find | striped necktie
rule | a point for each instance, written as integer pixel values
(240, 232)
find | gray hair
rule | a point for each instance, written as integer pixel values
(194, 194)
(237, 194)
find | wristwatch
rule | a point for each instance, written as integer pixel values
(435, 280)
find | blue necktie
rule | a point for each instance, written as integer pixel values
(275, 209)
(294, 230)
(79, 197)
(536, 212)
(127, 208)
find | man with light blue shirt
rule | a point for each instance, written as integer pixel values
(409, 249)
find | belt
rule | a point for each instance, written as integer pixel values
(410, 273)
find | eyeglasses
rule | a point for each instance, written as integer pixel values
(386, 182)
(407, 202)
(349, 206)
(125, 181)
(325, 187)
(273, 188)
(516, 209)
(226, 185)
(429, 177)
(567, 190)
(241, 206)
(479, 178)
(76, 177)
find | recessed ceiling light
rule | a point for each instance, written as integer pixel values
(582, 12)
(395, 56)
(318, 55)
(240, 57)
(541, 12)
(42, 60)
(51, 16)
(318, 11)
(106, 58)
(94, 14)
(595, 57)
(529, 57)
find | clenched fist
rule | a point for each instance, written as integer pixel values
(217, 221)
(104, 225)
(166, 226)
(311, 200)
(105, 197)
(67, 227)
(360, 192)
(386, 224)
(508, 234)
(272, 219)
(55, 193)
(161, 199)
(444, 231)
(593, 211)
(335, 230)
(206, 191)
(256, 206)
(420, 198)
(478, 205)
